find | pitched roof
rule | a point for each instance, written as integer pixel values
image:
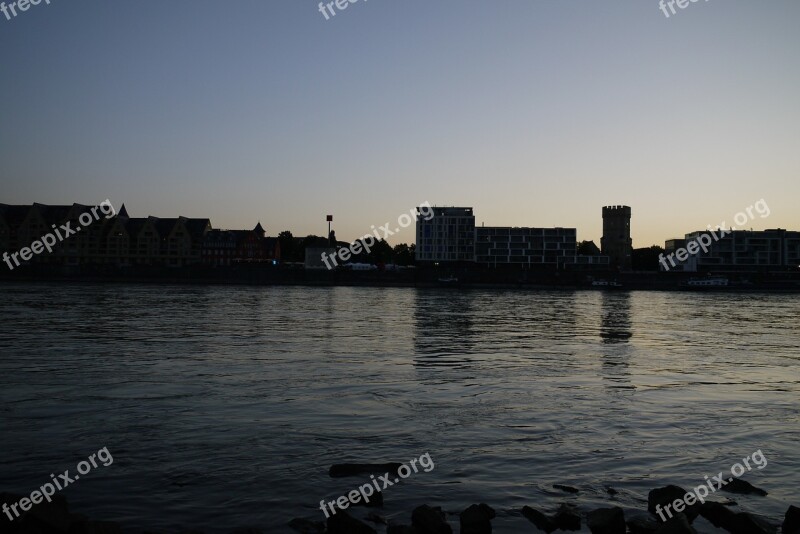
(197, 227)
(135, 225)
(14, 214)
(54, 214)
(164, 227)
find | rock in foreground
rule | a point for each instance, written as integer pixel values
(742, 487)
(477, 519)
(344, 523)
(607, 521)
(539, 519)
(791, 523)
(428, 520)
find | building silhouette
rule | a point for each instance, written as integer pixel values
(227, 247)
(447, 236)
(616, 242)
(118, 240)
(450, 235)
(532, 247)
(127, 241)
(124, 241)
(738, 251)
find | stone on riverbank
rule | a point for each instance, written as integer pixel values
(51, 518)
(344, 523)
(791, 522)
(743, 487)
(607, 521)
(643, 525)
(738, 523)
(679, 524)
(539, 519)
(753, 524)
(719, 515)
(661, 497)
(429, 520)
(567, 517)
(477, 519)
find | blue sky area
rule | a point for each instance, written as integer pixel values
(534, 112)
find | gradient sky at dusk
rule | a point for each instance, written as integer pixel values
(534, 112)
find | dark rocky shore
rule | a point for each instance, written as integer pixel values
(51, 517)
(477, 518)
(56, 518)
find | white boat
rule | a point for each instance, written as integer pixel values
(606, 284)
(711, 281)
(360, 267)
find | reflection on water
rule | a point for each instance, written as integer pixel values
(463, 328)
(443, 333)
(616, 310)
(616, 330)
(225, 406)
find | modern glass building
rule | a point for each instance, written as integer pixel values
(744, 250)
(448, 236)
(525, 246)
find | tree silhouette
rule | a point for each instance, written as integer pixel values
(588, 248)
(403, 254)
(286, 240)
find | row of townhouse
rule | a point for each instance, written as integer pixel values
(121, 240)
(228, 247)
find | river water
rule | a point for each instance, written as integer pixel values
(224, 407)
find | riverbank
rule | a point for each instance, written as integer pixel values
(56, 518)
(420, 278)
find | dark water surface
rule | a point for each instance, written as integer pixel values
(224, 407)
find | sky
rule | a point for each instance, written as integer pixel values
(533, 112)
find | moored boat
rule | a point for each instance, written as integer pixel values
(712, 282)
(605, 284)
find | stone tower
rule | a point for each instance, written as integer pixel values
(616, 242)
